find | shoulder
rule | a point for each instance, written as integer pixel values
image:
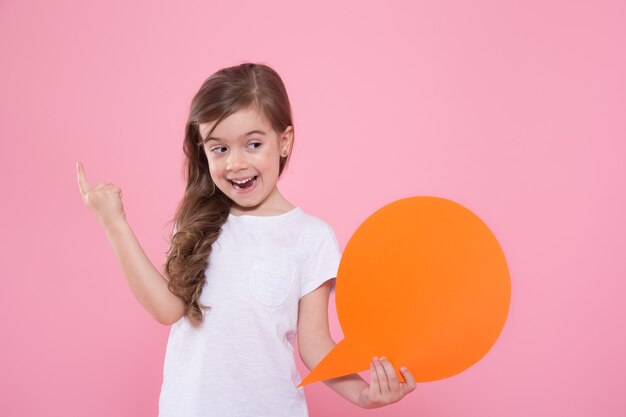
(316, 237)
(311, 224)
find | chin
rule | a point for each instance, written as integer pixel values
(245, 205)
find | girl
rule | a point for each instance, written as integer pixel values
(246, 271)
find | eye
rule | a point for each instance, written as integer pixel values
(218, 149)
(254, 145)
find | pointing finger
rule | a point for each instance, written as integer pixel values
(83, 185)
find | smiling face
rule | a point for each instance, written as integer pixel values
(244, 154)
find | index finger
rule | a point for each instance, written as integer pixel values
(391, 374)
(83, 185)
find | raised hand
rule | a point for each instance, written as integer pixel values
(104, 199)
(384, 388)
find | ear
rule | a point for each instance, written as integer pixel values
(286, 141)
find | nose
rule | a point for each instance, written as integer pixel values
(236, 161)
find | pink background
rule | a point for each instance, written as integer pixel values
(513, 109)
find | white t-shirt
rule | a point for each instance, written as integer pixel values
(241, 361)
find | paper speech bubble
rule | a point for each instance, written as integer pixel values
(423, 282)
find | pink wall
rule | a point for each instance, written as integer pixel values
(513, 109)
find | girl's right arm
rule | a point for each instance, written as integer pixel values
(147, 284)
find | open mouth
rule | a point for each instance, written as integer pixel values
(244, 184)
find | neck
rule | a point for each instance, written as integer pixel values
(273, 206)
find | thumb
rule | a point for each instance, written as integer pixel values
(83, 185)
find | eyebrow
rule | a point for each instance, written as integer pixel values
(245, 134)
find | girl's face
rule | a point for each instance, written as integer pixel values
(243, 154)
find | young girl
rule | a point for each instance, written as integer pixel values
(247, 271)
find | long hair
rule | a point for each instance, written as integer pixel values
(204, 208)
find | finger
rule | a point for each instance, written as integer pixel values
(410, 380)
(382, 377)
(394, 384)
(97, 187)
(374, 382)
(116, 189)
(83, 185)
(94, 191)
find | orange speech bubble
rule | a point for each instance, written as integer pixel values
(423, 282)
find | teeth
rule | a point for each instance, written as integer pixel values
(242, 181)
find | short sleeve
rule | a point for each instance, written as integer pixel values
(322, 264)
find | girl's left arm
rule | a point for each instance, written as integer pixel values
(314, 343)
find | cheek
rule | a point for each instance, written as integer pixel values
(271, 162)
(214, 170)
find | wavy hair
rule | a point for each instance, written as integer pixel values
(204, 208)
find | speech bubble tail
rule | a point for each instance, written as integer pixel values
(345, 358)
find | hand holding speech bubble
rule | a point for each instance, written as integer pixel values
(423, 282)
